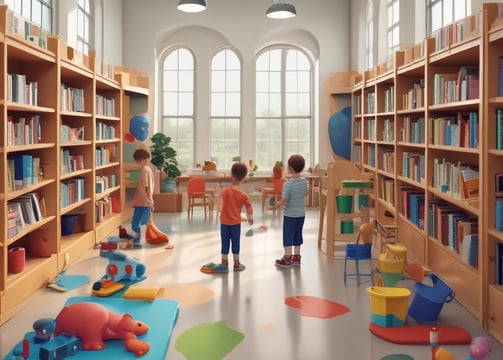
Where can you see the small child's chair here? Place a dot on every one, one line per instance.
(360, 251)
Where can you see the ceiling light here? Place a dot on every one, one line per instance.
(192, 6)
(281, 11)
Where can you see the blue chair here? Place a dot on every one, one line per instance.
(357, 252)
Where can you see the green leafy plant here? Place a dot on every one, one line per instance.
(164, 155)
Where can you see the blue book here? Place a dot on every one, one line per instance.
(415, 199)
(474, 250)
(23, 170)
(499, 215)
(499, 259)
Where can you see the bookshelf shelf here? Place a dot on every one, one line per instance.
(56, 120)
(461, 162)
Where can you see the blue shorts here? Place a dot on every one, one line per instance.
(292, 231)
(230, 235)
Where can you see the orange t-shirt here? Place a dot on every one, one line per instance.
(233, 199)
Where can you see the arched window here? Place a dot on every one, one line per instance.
(284, 119)
(177, 119)
(393, 28)
(369, 35)
(444, 12)
(38, 11)
(83, 25)
(225, 110)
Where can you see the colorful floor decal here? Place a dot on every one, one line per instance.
(208, 341)
(188, 294)
(398, 357)
(316, 307)
(420, 334)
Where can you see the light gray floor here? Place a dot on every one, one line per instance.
(252, 301)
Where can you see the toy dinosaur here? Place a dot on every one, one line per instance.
(74, 320)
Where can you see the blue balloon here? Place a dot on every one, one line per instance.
(139, 125)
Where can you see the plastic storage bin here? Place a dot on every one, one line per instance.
(67, 224)
(428, 300)
(388, 306)
(344, 204)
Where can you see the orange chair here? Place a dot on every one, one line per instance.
(273, 192)
(197, 196)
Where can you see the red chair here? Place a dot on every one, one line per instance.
(197, 196)
(273, 192)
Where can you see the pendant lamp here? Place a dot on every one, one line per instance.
(281, 10)
(192, 6)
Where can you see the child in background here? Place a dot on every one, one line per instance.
(143, 201)
(292, 198)
(230, 201)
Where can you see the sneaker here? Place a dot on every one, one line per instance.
(284, 262)
(239, 267)
(295, 260)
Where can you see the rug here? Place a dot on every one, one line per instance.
(312, 306)
(208, 341)
(160, 315)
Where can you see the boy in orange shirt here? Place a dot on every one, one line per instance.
(230, 201)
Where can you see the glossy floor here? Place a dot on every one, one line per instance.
(252, 301)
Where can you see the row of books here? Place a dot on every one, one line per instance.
(104, 182)
(414, 98)
(71, 99)
(25, 210)
(69, 134)
(459, 180)
(456, 32)
(105, 106)
(388, 191)
(389, 99)
(20, 91)
(499, 129)
(71, 162)
(461, 130)
(357, 130)
(371, 97)
(24, 130)
(388, 132)
(413, 130)
(25, 29)
(371, 129)
(104, 131)
(106, 207)
(72, 191)
(388, 161)
(371, 152)
(458, 86)
(455, 230)
(105, 154)
(22, 171)
(413, 202)
(413, 166)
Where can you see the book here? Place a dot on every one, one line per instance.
(499, 264)
(498, 181)
(500, 75)
(469, 181)
(23, 170)
(499, 129)
(16, 206)
(499, 215)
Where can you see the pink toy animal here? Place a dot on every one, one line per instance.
(93, 323)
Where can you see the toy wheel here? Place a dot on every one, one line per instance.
(97, 285)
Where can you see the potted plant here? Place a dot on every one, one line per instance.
(277, 170)
(164, 159)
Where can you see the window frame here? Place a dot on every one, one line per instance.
(283, 116)
(25, 8)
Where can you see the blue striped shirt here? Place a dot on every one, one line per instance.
(295, 190)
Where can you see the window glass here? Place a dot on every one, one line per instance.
(283, 106)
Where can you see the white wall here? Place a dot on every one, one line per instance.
(322, 25)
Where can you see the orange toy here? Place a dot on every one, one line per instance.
(416, 271)
(153, 235)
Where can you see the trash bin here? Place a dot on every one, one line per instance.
(388, 306)
(67, 224)
(429, 299)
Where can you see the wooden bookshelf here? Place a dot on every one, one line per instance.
(437, 129)
(70, 127)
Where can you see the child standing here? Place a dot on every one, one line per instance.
(230, 202)
(143, 200)
(292, 198)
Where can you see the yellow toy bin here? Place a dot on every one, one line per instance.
(388, 305)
